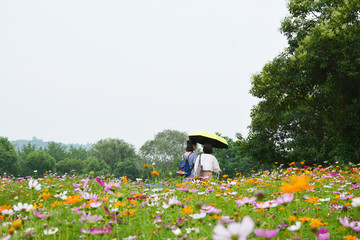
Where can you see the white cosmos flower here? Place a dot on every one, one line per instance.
(198, 215)
(34, 184)
(295, 227)
(51, 231)
(356, 202)
(177, 231)
(238, 231)
(7, 212)
(25, 207)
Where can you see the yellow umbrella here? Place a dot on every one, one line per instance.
(205, 137)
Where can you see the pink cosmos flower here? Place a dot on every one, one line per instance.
(266, 233)
(90, 218)
(284, 199)
(39, 215)
(111, 185)
(96, 230)
(101, 182)
(246, 200)
(209, 209)
(184, 189)
(322, 234)
(345, 222)
(238, 231)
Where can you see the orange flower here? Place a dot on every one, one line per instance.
(146, 165)
(124, 178)
(313, 200)
(73, 199)
(45, 195)
(187, 210)
(154, 172)
(119, 204)
(316, 223)
(297, 184)
(349, 237)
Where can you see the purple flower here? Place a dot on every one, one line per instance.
(209, 209)
(90, 218)
(322, 234)
(96, 230)
(39, 215)
(266, 233)
(101, 182)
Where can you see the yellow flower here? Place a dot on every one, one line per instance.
(316, 223)
(225, 176)
(17, 224)
(45, 195)
(119, 204)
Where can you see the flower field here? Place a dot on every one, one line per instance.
(294, 203)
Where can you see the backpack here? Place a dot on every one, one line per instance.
(184, 166)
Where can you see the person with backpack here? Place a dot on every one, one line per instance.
(186, 166)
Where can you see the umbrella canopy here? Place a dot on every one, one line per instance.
(205, 137)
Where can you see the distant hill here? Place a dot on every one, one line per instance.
(41, 144)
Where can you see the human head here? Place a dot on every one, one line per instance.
(190, 145)
(207, 148)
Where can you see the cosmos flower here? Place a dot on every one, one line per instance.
(284, 199)
(266, 233)
(39, 215)
(97, 230)
(238, 231)
(356, 202)
(198, 215)
(297, 184)
(322, 234)
(89, 218)
(246, 200)
(295, 227)
(51, 231)
(20, 207)
(209, 209)
(34, 184)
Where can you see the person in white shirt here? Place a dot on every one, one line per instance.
(208, 161)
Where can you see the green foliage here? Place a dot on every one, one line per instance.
(128, 168)
(78, 153)
(165, 149)
(99, 168)
(25, 150)
(68, 164)
(310, 108)
(56, 150)
(233, 161)
(8, 157)
(112, 151)
(40, 162)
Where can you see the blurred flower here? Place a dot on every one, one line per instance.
(356, 202)
(51, 231)
(154, 172)
(322, 234)
(246, 200)
(266, 233)
(238, 231)
(20, 207)
(284, 199)
(198, 215)
(89, 218)
(297, 184)
(295, 227)
(96, 230)
(34, 184)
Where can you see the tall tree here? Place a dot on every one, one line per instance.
(310, 93)
(113, 151)
(56, 150)
(8, 157)
(165, 149)
(37, 163)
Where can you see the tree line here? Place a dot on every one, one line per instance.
(115, 157)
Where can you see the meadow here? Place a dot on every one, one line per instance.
(298, 202)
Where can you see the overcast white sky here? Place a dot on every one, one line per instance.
(77, 71)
